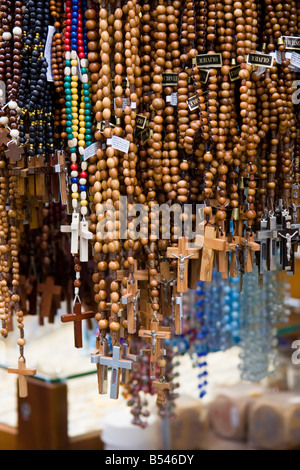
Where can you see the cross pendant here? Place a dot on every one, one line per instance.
(131, 300)
(116, 363)
(155, 335)
(74, 230)
(48, 291)
(267, 238)
(183, 254)
(23, 372)
(77, 317)
(289, 238)
(162, 387)
(210, 245)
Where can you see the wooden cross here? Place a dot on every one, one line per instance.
(74, 230)
(183, 254)
(223, 255)
(117, 364)
(49, 290)
(61, 170)
(161, 388)
(289, 236)
(166, 278)
(131, 300)
(84, 235)
(17, 170)
(250, 247)
(102, 371)
(77, 317)
(210, 244)
(35, 174)
(154, 334)
(14, 152)
(23, 373)
(267, 237)
(136, 274)
(127, 356)
(54, 177)
(236, 245)
(4, 136)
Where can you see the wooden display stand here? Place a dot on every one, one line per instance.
(43, 422)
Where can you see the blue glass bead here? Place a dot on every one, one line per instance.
(82, 187)
(74, 180)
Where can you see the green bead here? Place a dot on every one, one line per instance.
(68, 104)
(86, 86)
(69, 130)
(68, 63)
(72, 149)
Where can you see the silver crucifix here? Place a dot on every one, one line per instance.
(182, 259)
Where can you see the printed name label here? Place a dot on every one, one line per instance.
(260, 60)
(209, 60)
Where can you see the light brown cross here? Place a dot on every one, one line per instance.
(77, 317)
(161, 388)
(22, 372)
(183, 254)
(210, 245)
(48, 291)
(137, 274)
(4, 136)
(155, 335)
(250, 247)
(131, 299)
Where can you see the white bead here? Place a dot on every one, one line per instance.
(6, 36)
(73, 70)
(74, 203)
(67, 71)
(12, 104)
(73, 55)
(83, 210)
(17, 31)
(82, 181)
(74, 174)
(68, 55)
(14, 133)
(84, 63)
(74, 188)
(71, 143)
(4, 120)
(85, 78)
(81, 150)
(83, 195)
(84, 165)
(76, 290)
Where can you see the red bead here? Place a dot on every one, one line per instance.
(67, 48)
(74, 166)
(81, 55)
(83, 174)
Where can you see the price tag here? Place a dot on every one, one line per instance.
(90, 151)
(120, 144)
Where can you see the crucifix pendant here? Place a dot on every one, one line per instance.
(74, 230)
(183, 254)
(116, 363)
(131, 301)
(23, 373)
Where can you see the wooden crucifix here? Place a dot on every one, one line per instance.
(117, 364)
(223, 255)
(131, 300)
(22, 372)
(166, 278)
(102, 370)
(61, 170)
(48, 291)
(210, 244)
(73, 229)
(54, 177)
(161, 387)
(77, 317)
(135, 273)
(155, 335)
(17, 169)
(250, 247)
(183, 254)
